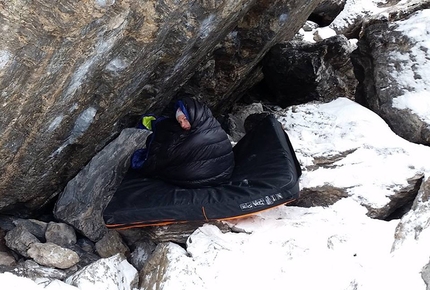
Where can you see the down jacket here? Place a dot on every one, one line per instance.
(201, 156)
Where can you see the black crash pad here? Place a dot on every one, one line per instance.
(266, 175)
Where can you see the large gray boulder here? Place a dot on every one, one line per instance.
(388, 59)
(73, 74)
(85, 197)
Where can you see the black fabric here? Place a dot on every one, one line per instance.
(199, 157)
(266, 175)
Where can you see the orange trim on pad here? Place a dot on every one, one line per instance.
(169, 222)
(204, 213)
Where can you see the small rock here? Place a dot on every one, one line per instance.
(30, 269)
(20, 240)
(86, 245)
(111, 244)
(142, 251)
(35, 227)
(60, 233)
(52, 255)
(108, 273)
(7, 259)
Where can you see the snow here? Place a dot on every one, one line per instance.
(417, 81)
(418, 102)
(381, 160)
(106, 274)
(335, 247)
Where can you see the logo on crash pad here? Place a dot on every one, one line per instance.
(267, 200)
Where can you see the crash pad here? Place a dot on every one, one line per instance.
(266, 175)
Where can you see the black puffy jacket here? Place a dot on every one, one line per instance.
(199, 157)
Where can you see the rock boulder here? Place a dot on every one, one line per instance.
(73, 74)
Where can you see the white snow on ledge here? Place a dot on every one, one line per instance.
(380, 161)
(415, 72)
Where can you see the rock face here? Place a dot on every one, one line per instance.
(72, 74)
(297, 73)
(327, 11)
(153, 273)
(416, 220)
(234, 65)
(20, 240)
(85, 197)
(382, 64)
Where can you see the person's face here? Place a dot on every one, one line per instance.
(183, 122)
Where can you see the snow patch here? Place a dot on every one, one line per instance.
(332, 129)
(414, 74)
(325, 32)
(108, 274)
(418, 102)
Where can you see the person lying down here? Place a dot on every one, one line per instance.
(190, 149)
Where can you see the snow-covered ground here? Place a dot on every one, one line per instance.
(336, 247)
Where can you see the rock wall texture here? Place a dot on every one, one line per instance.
(297, 73)
(387, 60)
(73, 73)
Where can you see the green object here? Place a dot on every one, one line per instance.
(147, 122)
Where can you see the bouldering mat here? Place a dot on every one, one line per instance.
(266, 175)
